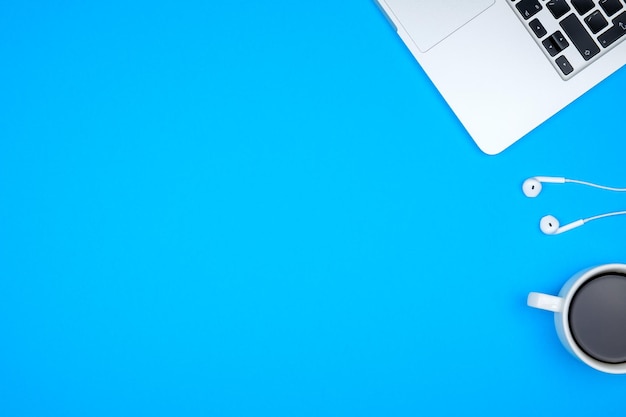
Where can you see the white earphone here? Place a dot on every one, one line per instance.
(532, 186)
(549, 224)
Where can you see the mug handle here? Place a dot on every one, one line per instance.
(545, 302)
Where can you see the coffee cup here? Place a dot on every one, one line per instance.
(590, 316)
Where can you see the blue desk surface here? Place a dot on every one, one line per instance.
(266, 209)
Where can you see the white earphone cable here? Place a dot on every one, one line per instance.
(601, 216)
(602, 187)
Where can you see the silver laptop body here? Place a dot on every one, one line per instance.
(506, 66)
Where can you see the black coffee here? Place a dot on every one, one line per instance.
(597, 318)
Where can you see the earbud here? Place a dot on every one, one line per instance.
(551, 226)
(532, 186)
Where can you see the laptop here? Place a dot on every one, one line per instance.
(506, 66)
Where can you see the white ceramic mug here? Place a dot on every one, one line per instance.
(561, 304)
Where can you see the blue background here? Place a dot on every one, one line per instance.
(255, 208)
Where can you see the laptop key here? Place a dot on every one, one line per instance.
(564, 65)
(583, 6)
(559, 41)
(555, 43)
(611, 7)
(550, 46)
(580, 37)
(596, 22)
(615, 33)
(558, 8)
(528, 8)
(538, 28)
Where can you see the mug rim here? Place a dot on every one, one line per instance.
(570, 289)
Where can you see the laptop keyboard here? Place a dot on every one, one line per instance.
(573, 33)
